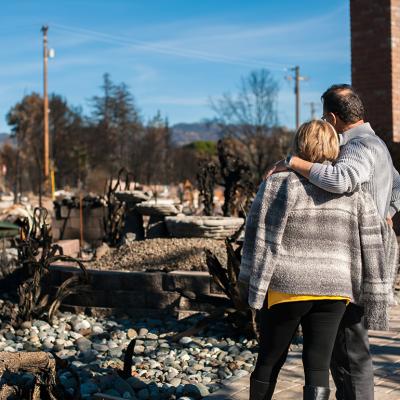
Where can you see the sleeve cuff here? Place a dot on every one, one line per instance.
(376, 316)
(392, 211)
(256, 299)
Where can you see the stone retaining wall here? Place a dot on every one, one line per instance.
(141, 293)
(203, 226)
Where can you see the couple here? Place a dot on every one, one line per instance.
(319, 251)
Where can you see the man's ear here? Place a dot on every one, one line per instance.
(331, 118)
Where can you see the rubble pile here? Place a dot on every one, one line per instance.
(186, 254)
(66, 222)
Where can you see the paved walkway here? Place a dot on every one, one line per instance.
(385, 347)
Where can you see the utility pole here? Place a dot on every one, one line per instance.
(297, 93)
(313, 109)
(48, 165)
(46, 146)
(297, 78)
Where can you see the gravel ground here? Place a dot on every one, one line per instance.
(162, 254)
(188, 369)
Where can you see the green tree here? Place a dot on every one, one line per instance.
(127, 121)
(116, 126)
(66, 141)
(26, 121)
(152, 159)
(204, 148)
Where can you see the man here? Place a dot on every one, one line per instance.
(364, 162)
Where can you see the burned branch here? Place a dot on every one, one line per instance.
(36, 254)
(237, 311)
(114, 221)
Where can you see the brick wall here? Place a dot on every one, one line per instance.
(375, 59)
(138, 293)
(395, 40)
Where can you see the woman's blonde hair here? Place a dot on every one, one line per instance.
(316, 141)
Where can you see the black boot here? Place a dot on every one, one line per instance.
(315, 393)
(261, 390)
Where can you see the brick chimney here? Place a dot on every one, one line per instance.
(375, 62)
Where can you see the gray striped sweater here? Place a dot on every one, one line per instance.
(364, 161)
(301, 239)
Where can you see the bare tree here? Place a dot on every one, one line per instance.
(251, 117)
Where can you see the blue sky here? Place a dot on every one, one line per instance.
(175, 55)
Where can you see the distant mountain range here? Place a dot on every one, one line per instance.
(185, 133)
(4, 137)
(182, 133)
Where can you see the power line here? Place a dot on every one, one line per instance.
(170, 50)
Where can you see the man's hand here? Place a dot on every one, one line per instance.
(297, 164)
(389, 221)
(278, 167)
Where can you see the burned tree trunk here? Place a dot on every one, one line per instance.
(236, 179)
(206, 180)
(40, 364)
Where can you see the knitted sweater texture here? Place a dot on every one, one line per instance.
(301, 239)
(364, 162)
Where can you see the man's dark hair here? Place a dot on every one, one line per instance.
(343, 101)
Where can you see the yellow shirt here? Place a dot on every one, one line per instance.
(279, 297)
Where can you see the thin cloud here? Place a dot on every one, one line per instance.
(241, 45)
(59, 40)
(228, 32)
(163, 49)
(23, 68)
(147, 56)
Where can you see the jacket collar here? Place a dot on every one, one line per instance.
(358, 131)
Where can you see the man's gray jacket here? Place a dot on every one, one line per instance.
(364, 161)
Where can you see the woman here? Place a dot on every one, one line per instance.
(314, 252)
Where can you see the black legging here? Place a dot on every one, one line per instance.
(319, 320)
